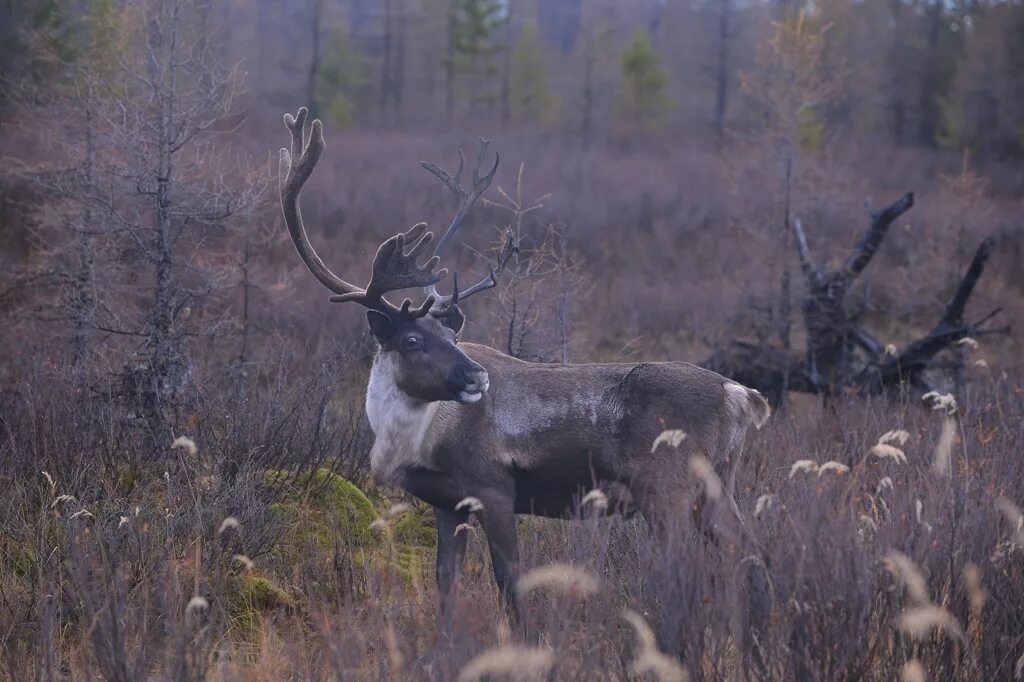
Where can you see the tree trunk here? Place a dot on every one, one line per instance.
(588, 98)
(449, 72)
(385, 68)
(930, 83)
(722, 75)
(84, 301)
(506, 75)
(398, 72)
(314, 60)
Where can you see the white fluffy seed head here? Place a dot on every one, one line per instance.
(245, 561)
(943, 456)
(564, 578)
(1012, 514)
(833, 466)
(901, 566)
(398, 509)
(919, 515)
(969, 342)
(921, 620)
(671, 437)
(897, 436)
(912, 671)
(470, 504)
(975, 591)
(197, 605)
(886, 451)
(185, 443)
(463, 528)
(807, 465)
(1011, 511)
(650, 659)
(509, 662)
(763, 504)
(943, 402)
(702, 469)
(595, 499)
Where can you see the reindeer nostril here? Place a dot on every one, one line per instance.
(475, 377)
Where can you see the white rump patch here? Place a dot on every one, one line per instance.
(746, 402)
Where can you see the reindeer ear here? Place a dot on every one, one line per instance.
(380, 324)
(453, 319)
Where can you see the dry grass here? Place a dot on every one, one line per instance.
(886, 570)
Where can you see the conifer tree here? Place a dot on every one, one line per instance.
(531, 90)
(473, 49)
(643, 99)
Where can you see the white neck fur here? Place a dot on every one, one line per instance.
(400, 423)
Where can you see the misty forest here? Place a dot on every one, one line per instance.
(709, 367)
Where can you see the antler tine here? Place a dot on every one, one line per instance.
(452, 182)
(455, 289)
(296, 125)
(508, 248)
(464, 198)
(295, 168)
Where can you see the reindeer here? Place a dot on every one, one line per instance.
(461, 420)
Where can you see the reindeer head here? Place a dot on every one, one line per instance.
(419, 342)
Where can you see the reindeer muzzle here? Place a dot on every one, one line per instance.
(476, 384)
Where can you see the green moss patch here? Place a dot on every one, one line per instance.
(251, 597)
(323, 505)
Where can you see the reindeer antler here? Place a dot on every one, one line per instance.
(393, 267)
(464, 200)
(508, 247)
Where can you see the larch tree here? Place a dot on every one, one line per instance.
(340, 78)
(152, 197)
(791, 85)
(643, 98)
(533, 101)
(474, 46)
(986, 110)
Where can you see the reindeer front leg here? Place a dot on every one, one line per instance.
(451, 547)
(499, 522)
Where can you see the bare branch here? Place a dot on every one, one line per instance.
(880, 223)
(806, 262)
(954, 312)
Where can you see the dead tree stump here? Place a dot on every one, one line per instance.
(841, 355)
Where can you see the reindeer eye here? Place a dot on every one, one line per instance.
(411, 343)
